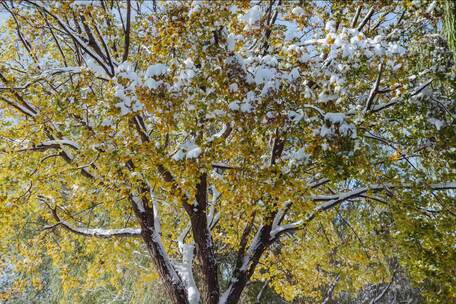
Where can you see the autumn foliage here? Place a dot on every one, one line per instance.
(305, 145)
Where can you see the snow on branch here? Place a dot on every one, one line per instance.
(75, 36)
(444, 186)
(19, 107)
(90, 232)
(394, 101)
(335, 199)
(56, 144)
(338, 198)
(185, 268)
(252, 250)
(283, 228)
(102, 233)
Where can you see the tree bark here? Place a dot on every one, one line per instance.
(204, 247)
(174, 285)
(242, 275)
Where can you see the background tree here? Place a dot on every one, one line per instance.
(309, 146)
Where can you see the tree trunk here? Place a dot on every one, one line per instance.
(204, 247)
(243, 274)
(173, 283)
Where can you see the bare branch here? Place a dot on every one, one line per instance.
(127, 32)
(366, 19)
(374, 90)
(355, 18)
(19, 107)
(75, 37)
(380, 296)
(260, 294)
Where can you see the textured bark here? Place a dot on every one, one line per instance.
(174, 286)
(204, 247)
(242, 276)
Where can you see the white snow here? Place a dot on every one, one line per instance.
(233, 87)
(20, 107)
(330, 26)
(396, 49)
(431, 7)
(231, 40)
(185, 268)
(263, 74)
(252, 249)
(98, 232)
(156, 70)
(194, 8)
(293, 75)
(186, 273)
(335, 117)
(300, 155)
(108, 232)
(63, 70)
(179, 155)
(252, 16)
(282, 228)
(436, 122)
(65, 142)
(194, 153)
(107, 122)
(234, 106)
(139, 203)
(296, 116)
(157, 223)
(188, 150)
(233, 8)
(298, 11)
(324, 97)
(246, 107)
(270, 60)
(84, 3)
(189, 64)
(152, 84)
(218, 134)
(348, 130)
(325, 131)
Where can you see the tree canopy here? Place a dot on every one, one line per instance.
(306, 145)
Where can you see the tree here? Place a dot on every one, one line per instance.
(310, 145)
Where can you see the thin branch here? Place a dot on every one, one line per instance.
(380, 296)
(260, 294)
(127, 32)
(355, 18)
(243, 241)
(366, 19)
(374, 90)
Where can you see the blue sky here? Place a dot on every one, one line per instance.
(3, 17)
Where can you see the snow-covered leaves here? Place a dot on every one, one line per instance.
(269, 100)
(188, 150)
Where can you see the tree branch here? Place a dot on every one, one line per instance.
(127, 32)
(90, 232)
(173, 283)
(204, 244)
(334, 200)
(366, 19)
(374, 90)
(355, 18)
